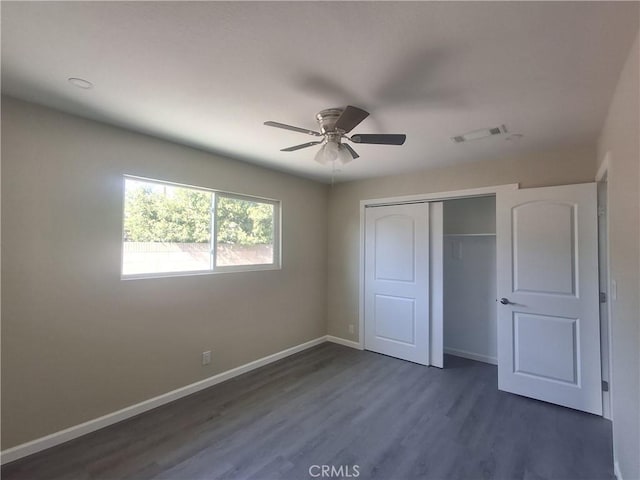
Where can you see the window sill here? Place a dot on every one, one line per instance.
(195, 273)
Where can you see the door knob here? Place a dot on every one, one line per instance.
(504, 301)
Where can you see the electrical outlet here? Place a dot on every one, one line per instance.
(351, 329)
(206, 357)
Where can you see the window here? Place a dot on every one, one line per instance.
(173, 229)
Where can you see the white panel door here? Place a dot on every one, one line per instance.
(548, 323)
(396, 309)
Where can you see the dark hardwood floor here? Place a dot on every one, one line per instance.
(332, 405)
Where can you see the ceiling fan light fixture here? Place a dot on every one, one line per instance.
(332, 152)
(344, 156)
(328, 153)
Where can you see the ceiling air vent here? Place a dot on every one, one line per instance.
(477, 134)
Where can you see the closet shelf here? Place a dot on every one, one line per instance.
(469, 234)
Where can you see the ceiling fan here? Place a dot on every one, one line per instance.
(335, 123)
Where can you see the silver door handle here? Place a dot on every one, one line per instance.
(505, 301)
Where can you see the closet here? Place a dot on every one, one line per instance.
(433, 267)
(469, 278)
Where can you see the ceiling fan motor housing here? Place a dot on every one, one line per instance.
(327, 120)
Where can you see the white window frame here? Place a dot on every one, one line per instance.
(213, 242)
(276, 235)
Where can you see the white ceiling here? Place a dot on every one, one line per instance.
(208, 74)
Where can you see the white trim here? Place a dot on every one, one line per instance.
(171, 183)
(604, 174)
(469, 235)
(471, 356)
(192, 273)
(439, 196)
(604, 168)
(616, 470)
(76, 431)
(361, 279)
(343, 341)
(421, 197)
(436, 277)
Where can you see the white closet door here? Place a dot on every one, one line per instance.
(396, 309)
(548, 324)
(436, 281)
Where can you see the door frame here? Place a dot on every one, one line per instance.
(418, 198)
(606, 347)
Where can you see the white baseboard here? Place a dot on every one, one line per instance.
(39, 444)
(616, 470)
(471, 356)
(343, 341)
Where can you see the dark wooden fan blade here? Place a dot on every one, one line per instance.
(383, 139)
(350, 118)
(292, 128)
(298, 147)
(353, 153)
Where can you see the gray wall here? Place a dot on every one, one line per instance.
(620, 138)
(575, 165)
(77, 341)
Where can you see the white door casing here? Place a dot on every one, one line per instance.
(396, 306)
(603, 272)
(436, 282)
(547, 269)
